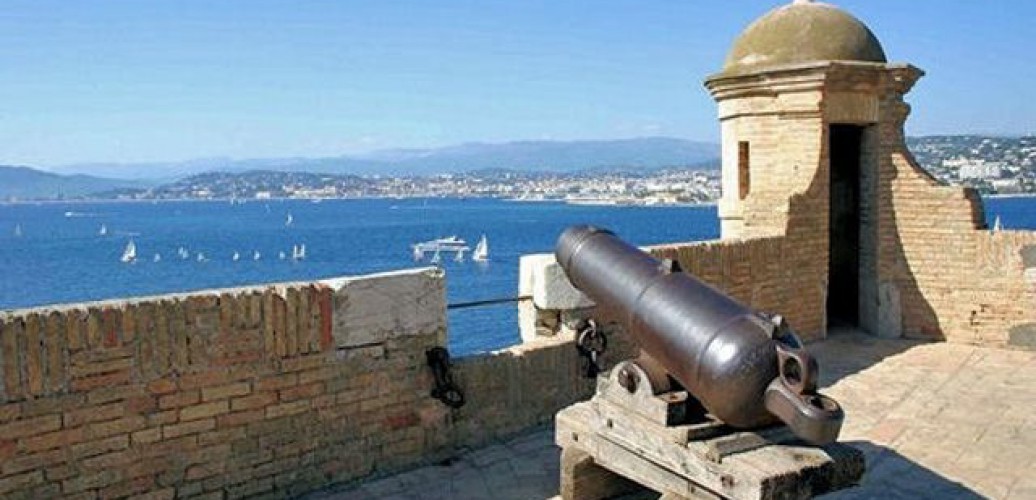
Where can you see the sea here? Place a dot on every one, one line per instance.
(57, 253)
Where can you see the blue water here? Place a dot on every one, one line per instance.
(62, 259)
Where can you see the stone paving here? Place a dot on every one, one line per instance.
(934, 421)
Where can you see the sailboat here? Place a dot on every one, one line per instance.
(460, 255)
(256, 255)
(103, 231)
(281, 255)
(201, 257)
(236, 257)
(129, 255)
(298, 252)
(481, 253)
(289, 220)
(997, 227)
(418, 253)
(158, 257)
(17, 230)
(436, 258)
(183, 253)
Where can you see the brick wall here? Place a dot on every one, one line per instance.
(761, 273)
(273, 390)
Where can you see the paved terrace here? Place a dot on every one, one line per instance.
(934, 421)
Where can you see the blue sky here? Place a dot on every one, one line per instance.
(143, 80)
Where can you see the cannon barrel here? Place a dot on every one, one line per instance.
(747, 369)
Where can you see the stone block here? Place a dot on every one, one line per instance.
(549, 286)
(372, 309)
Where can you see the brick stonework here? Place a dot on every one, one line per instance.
(252, 391)
(929, 268)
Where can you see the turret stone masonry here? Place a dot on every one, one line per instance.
(281, 389)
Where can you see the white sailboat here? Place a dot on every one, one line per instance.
(183, 253)
(298, 252)
(418, 253)
(201, 257)
(103, 231)
(281, 256)
(17, 230)
(236, 257)
(158, 257)
(436, 258)
(481, 253)
(129, 254)
(459, 257)
(289, 220)
(997, 227)
(256, 255)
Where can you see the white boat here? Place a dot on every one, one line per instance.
(129, 255)
(103, 231)
(436, 258)
(481, 253)
(447, 244)
(997, 227)
(256, 255)
(418, 253)
(298, 252)
(281, 256)
(236, 257)
(17, 230)
(201, 257)
(289, 220)
(460, 255)
(183, 253)
(158, 257)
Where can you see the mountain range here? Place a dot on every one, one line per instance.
(549, 156)
(27, 183)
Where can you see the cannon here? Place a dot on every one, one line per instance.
(747, 369)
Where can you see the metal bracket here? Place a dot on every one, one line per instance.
(591, 343)
(445, 389)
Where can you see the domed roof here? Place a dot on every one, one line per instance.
(803, 31)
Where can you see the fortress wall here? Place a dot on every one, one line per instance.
(223, 393)
(276, 390)
(764, 273)
(953, 278)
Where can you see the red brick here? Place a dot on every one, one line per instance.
(402, 420)
(111, 460)
(106, 380)
(10, 411)
(53, 440)
(79, 370)
(147, 436)
(301, 391)
(98, 447)
(120, 426)
(179, 399)
(8, 448)
(277, 382)
(240, 418)
(30, 427)
(22, 463)
(257, 400)
(318, 375)
(108, 394)
(96, 413)
(193, 427)
(285, 409)
(204, 379)
(204, 410)
(33, 356)
(226, 391)
(162, 386)
(163, 494)
(141, 404)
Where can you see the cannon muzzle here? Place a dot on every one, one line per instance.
(746, 368)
